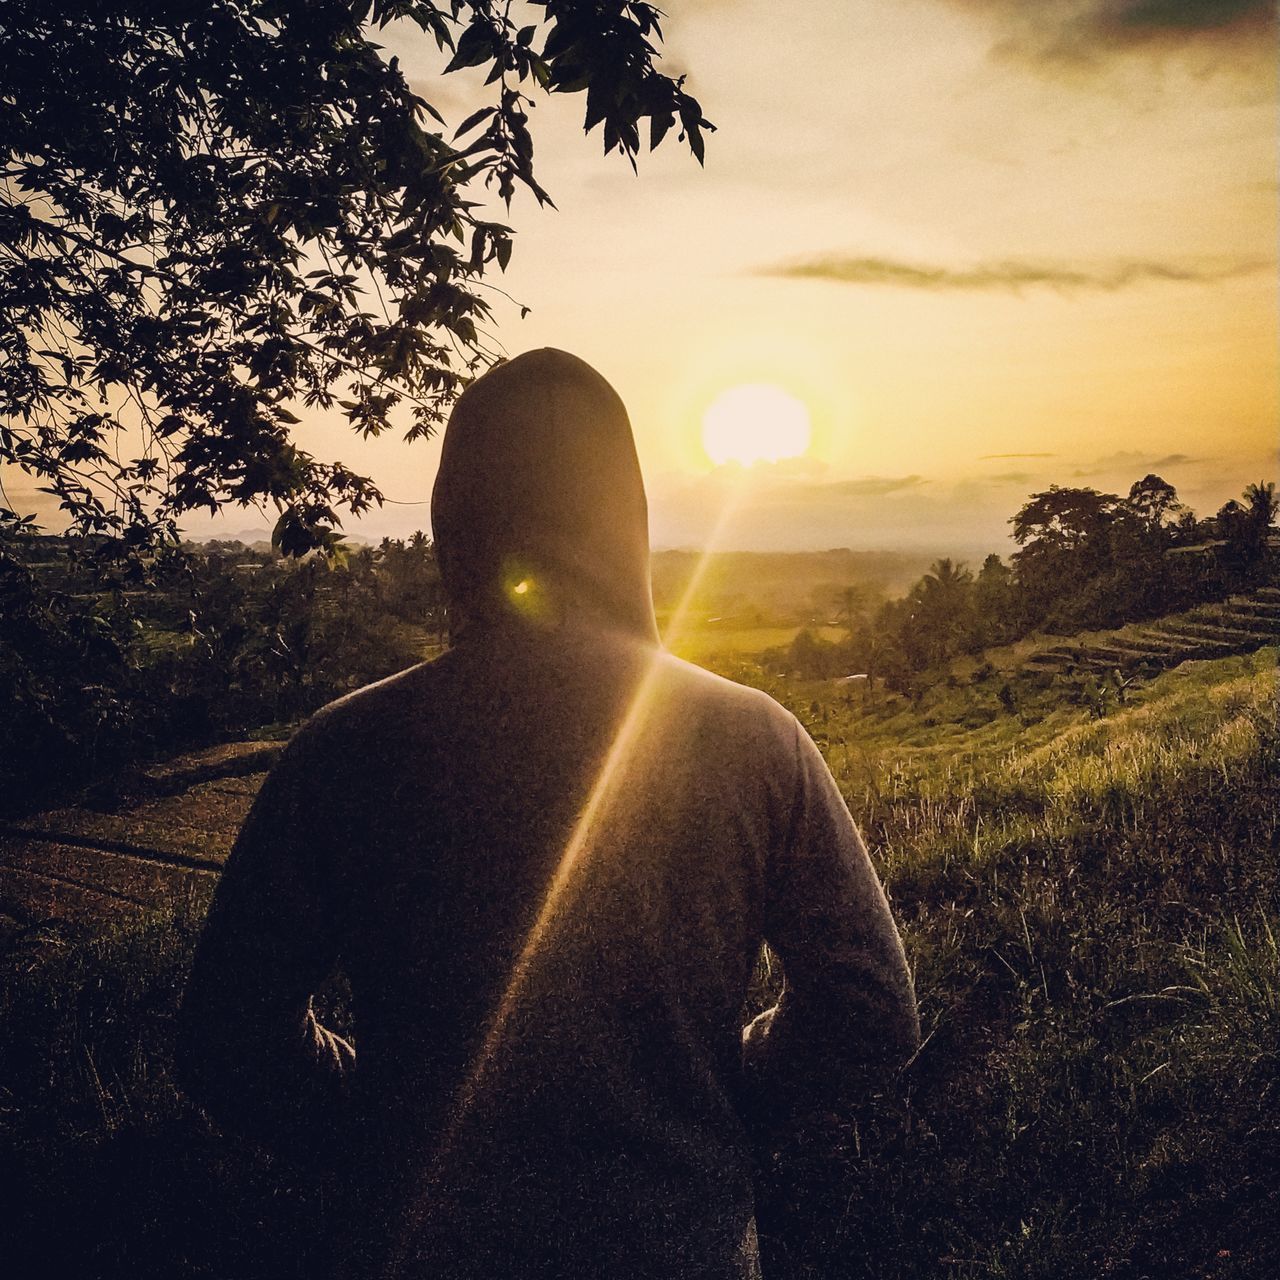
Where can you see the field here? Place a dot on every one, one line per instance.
(1091, 907)
(1089, 895)
(729, 647)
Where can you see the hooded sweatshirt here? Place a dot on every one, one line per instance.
(546, 863)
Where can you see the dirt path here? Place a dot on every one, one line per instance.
(86, 867)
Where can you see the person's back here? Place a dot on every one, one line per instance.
(546, 861)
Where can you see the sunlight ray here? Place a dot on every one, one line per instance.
(604, 790)
(678, 618)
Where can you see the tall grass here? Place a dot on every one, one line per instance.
(1091, 907)
(105, 1169)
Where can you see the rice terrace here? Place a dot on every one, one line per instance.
(1079, 832)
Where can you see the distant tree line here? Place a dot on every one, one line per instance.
(203, 647)
(1085, 560)
(198, 646)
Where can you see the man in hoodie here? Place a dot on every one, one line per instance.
(546, 863)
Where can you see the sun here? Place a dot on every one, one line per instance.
(755, 422)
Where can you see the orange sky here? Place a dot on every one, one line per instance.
(990, 245)
(911, 133)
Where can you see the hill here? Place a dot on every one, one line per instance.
(782, 588)
(1091, 903)
(1238, 624)
(1090, 900)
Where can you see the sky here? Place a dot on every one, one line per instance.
(989, 244)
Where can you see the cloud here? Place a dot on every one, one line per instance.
(872, 486)
(1089, 31)
(1007, 277)
(987, 457)
(1128, 461)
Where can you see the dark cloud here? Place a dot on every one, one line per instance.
(872, 486)
(1084, 31)
(1007, 277)
(1133, 461)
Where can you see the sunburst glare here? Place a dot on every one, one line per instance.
(755, 422)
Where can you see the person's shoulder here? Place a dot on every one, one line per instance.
(372, 710)
(728, 702)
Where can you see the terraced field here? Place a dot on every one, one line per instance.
(76, 866)
(1238, 625)
(81, 866)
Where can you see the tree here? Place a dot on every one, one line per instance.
(1063, 540)
(996, 601)
(1232, 522)
(1155, 502)
(216, 215)
(942, 614)
(1246, 525)
(1062, 519)
(1187, 529)
(1262, 507)
(851, 606)
(411, 579)
(1143, 527)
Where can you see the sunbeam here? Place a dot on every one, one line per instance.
(603, 792)
(679, 615)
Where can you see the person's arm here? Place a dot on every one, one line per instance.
(846, 1021)
(249, 1048)
(820, 1066)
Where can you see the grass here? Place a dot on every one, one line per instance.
(1091, 906)
(105, 1169)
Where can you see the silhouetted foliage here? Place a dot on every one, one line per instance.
(215, 216)
(997, 601)
(1085, 560)
(94, 680)
(64, 681)
(1063, 542)
(1153, 500)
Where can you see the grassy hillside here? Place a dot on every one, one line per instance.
(1091, 905)
(1090, 901)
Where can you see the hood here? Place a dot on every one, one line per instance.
(539, 507)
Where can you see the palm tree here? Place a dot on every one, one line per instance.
(946, 575)
(1262, 504)
(944, 600)
(852, 607)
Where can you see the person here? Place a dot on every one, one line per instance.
(546, 862)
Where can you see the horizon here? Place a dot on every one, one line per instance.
(911, 514)
(914, 520)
